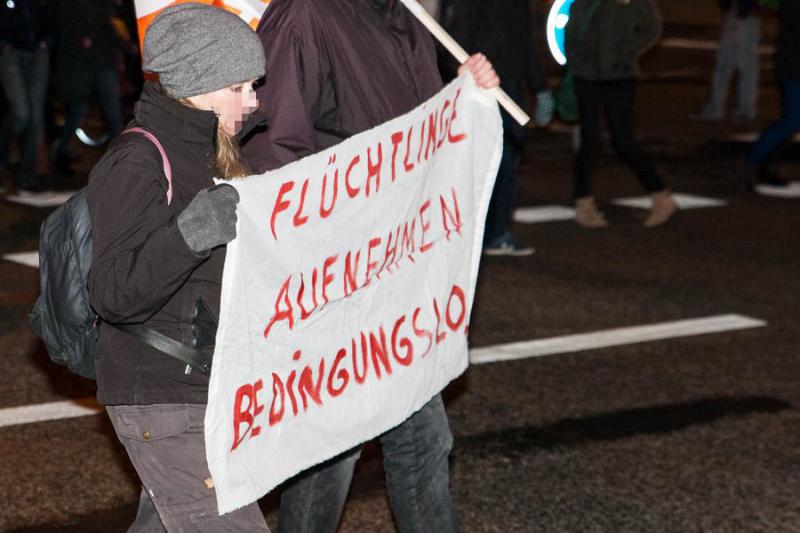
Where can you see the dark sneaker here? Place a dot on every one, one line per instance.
(508, 246)
(771, 179)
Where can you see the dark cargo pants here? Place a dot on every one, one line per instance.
(166, 446)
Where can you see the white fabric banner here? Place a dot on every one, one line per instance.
(347, 293)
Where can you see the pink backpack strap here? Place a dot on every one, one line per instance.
(164, 158)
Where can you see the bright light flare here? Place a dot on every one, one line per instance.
(556, 23)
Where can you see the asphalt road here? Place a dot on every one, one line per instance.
(697, 433)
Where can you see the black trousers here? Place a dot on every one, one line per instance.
(616, 98)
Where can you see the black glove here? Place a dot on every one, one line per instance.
(210, 219)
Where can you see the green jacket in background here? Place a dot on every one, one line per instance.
(616, 35)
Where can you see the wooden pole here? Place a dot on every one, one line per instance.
(461, 55)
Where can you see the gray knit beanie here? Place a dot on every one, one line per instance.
(197, 48)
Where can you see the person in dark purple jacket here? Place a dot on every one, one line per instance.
(336, 68)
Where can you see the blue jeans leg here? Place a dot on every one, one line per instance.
(416, 459)
(313, 501)
(724, 65)
(748, 65)
(781, 131)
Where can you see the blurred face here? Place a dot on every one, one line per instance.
(232, 104)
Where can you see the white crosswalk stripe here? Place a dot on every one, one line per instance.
(612, 337)
(41, 199)
(792, 190)
(543, 213)
(30, 259)
(554, 213)
(43, 412)
(29, 414)
(684, 201)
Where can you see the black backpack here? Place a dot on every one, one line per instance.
(62, 315)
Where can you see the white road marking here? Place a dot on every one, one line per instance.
(703, 44)
(543, 213)
(41, 199)
(551, 213)
(792, 190)
(30, 259)
(28, 414)
(752, 136)
(43, 412)
(684, 201)
(611, 337)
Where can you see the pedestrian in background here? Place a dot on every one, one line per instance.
(87, 60)
(737, 53)
(504, 31)
(26, 35)
(603, 59)
(762, 157)
(158, 253)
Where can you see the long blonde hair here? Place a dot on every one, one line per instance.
(230, 162)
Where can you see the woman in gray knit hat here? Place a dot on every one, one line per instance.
(159, 228)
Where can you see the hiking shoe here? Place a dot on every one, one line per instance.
(663, 208)
(507, 246)
(587, 214)
(771, 179)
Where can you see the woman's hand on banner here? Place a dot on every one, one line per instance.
(482, 70)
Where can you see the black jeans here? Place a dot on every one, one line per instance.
(616, 98)
(504, 194)
(23, 81)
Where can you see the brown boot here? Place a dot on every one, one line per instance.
(663, 208)
(587, 214)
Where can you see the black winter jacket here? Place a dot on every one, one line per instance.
(504, 32)
(25, 24)
(143, 271)
(616, 35)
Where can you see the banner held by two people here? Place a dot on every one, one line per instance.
(347, 294)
